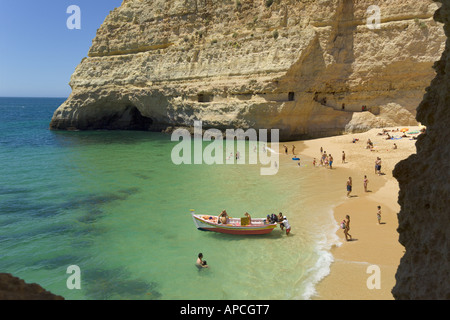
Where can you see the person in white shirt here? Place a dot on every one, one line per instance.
(287, 226)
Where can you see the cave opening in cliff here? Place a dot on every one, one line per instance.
(291, 96)
(129, 118)
(137, 120)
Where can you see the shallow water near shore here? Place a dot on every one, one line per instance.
(114, 204)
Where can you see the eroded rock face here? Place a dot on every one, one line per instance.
(290, 65)
(424, 219)
(12, 288)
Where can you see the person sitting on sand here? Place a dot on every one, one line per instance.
(200, 263)
(223, 217)
(395, 146)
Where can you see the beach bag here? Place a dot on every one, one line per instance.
(342, 225)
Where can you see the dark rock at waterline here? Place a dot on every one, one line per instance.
(13, 288)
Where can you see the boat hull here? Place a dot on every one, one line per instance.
(257, 226)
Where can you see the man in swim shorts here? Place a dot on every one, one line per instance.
(286, 225)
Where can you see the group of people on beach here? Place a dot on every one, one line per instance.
(326, 160)
(345, 224)
(349, 185)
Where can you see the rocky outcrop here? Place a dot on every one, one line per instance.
(424, 219)
(12, 288)
(283, 64)
(390, 115)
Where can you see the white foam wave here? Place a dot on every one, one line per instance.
(325, 258)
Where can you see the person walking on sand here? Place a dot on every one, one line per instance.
(293, 150)
(347, 228)
(285, 149)
(343, 157)
(378, 166)
(366, 181)
(331, 161)
(379, 215)
(349, 186)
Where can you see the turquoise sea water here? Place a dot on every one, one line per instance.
(114, 204)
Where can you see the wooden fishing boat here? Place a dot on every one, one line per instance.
(233, 225)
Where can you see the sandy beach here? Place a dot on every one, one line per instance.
(373, 244)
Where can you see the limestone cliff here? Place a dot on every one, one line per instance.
(286, 64)
(424, 219)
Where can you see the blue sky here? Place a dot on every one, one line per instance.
(38, 53)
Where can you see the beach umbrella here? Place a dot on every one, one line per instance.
(404, 130)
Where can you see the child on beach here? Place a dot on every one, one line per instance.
(314, 162)
(331, 161)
